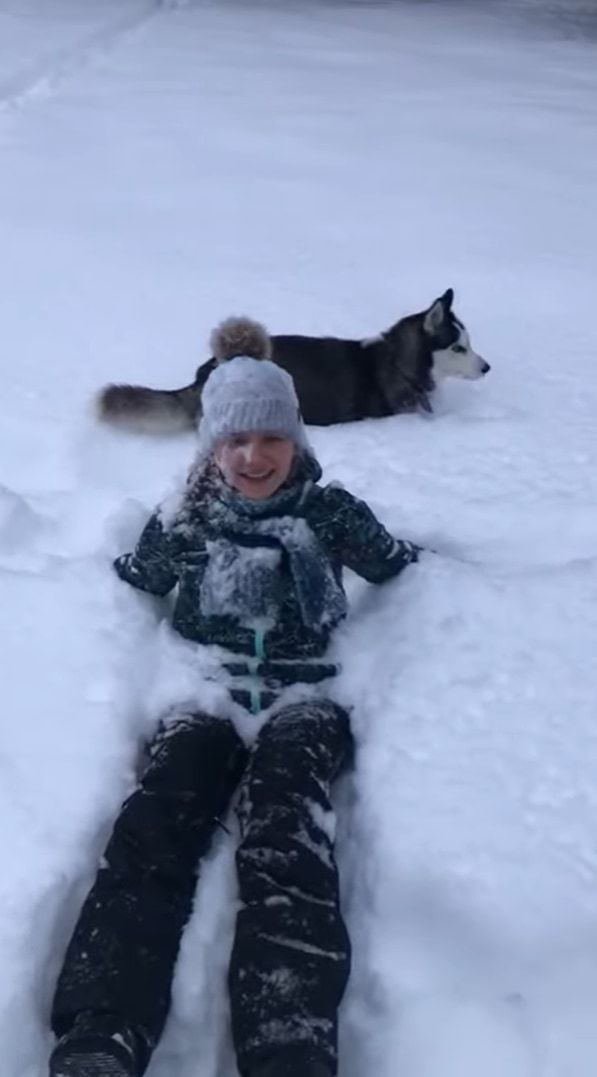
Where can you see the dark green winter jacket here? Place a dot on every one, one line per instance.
(172, 552)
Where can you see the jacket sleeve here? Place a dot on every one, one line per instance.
(150, 567)
(363, 542)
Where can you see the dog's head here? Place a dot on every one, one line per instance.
(453, 356)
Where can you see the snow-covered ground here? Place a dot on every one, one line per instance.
(326, 167)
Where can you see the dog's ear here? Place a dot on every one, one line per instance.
(435, 316)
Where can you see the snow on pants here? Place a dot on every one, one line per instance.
(291, 954)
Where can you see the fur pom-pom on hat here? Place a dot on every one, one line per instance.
(247, 392)
(240, 336)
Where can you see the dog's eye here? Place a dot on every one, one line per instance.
(458, 348)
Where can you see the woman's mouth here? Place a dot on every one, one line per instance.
(258, 476)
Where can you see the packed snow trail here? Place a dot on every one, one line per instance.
(326, 168)
(36, 52)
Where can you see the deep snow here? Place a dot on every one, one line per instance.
(326, 168)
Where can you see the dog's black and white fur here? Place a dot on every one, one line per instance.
(337, 381)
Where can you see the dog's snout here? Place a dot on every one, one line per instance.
(485, 367)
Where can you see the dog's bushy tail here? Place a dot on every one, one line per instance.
(240, 336)
(171, 411)
(150, 411)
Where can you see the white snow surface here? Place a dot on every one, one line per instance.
(326, 168)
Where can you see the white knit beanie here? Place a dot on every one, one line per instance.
(247, 392)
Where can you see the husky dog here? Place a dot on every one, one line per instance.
(337, 381)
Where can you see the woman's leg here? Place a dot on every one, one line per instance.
(291, 955)
(119, 964)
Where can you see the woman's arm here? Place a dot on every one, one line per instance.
(364, 543)
(150, 567)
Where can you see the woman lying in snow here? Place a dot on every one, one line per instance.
(256, 547)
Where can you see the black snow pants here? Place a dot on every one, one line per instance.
(291, 955)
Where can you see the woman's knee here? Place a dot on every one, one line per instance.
(196, 762)
(191, 748)
(305, 715)
(313, 734)
(309, 719)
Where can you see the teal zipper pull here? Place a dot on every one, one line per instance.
(259, 643)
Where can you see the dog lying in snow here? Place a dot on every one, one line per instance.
(337, 380)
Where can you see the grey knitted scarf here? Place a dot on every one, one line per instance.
(249, 541)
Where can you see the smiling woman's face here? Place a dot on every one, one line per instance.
(255, 464)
